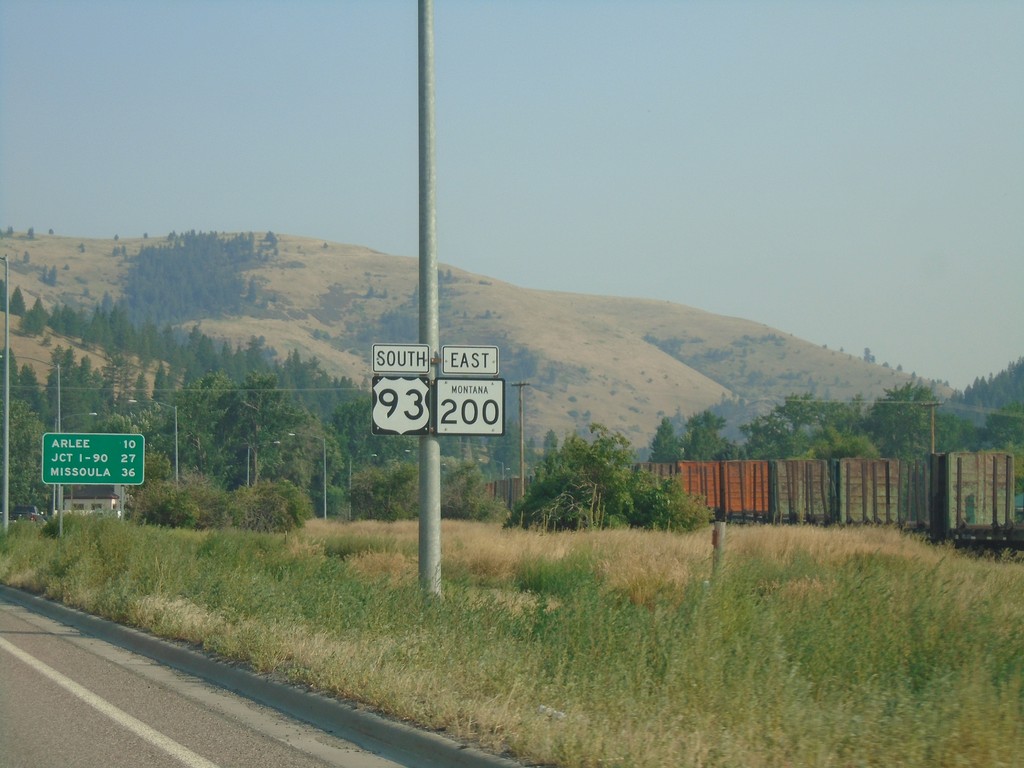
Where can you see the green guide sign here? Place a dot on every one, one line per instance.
(93, 459)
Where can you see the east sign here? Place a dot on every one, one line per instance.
(466, 360)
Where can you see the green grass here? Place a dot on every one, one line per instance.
(808, 647)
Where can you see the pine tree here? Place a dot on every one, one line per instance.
(34, 321)
(665, 445)
(17, 303)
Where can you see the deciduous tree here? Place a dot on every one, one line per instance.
(899, 424)
(590, 485)
(702, 439)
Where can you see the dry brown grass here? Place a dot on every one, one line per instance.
(830, 647)
(783, 543)
(638, 563)
(642, 565)
(176, 617)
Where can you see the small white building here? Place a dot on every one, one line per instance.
(94, 500)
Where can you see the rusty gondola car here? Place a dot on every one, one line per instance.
(972, 499)
(701, 478)
(800, 491)
(745, 491)
(963, 497)
(732, 490)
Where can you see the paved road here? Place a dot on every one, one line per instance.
(68, 699)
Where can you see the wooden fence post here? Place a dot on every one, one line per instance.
(718, 543)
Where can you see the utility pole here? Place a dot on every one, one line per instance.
(933, 406)
(522, 440)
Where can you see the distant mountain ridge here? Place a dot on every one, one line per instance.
(625, 363)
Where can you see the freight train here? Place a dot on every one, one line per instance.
(966, 498)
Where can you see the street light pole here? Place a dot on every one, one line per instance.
(58, 491)
(323, 439)
(252, 461)
(56, 420)
(60, 488)
(84, 413)
(175, 409)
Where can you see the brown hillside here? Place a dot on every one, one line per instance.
(625, 363)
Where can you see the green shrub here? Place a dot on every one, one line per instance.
(564, 577)
(464, 495)
(592, 485)
(213, 503)
(159, 502)
(348, 544)
(271, 507)
(198, 503)
(386, 493)
(194, 503)
(662, 504)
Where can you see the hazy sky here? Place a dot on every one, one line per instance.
(849, 172)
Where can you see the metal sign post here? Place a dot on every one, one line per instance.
(430, 449)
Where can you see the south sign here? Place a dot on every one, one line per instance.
(401, 358)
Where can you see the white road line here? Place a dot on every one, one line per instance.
(157, 739)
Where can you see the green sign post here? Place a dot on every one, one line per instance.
(93, 459)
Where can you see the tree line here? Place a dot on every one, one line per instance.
(590, 484)
(908, 422)
(224, 418)
(220, 435)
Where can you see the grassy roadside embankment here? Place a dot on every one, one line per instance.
(810, 647)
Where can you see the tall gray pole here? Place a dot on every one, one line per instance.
(7, 392)
(430, 448)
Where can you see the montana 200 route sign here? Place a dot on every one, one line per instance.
(93, 459)
(470, 406)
